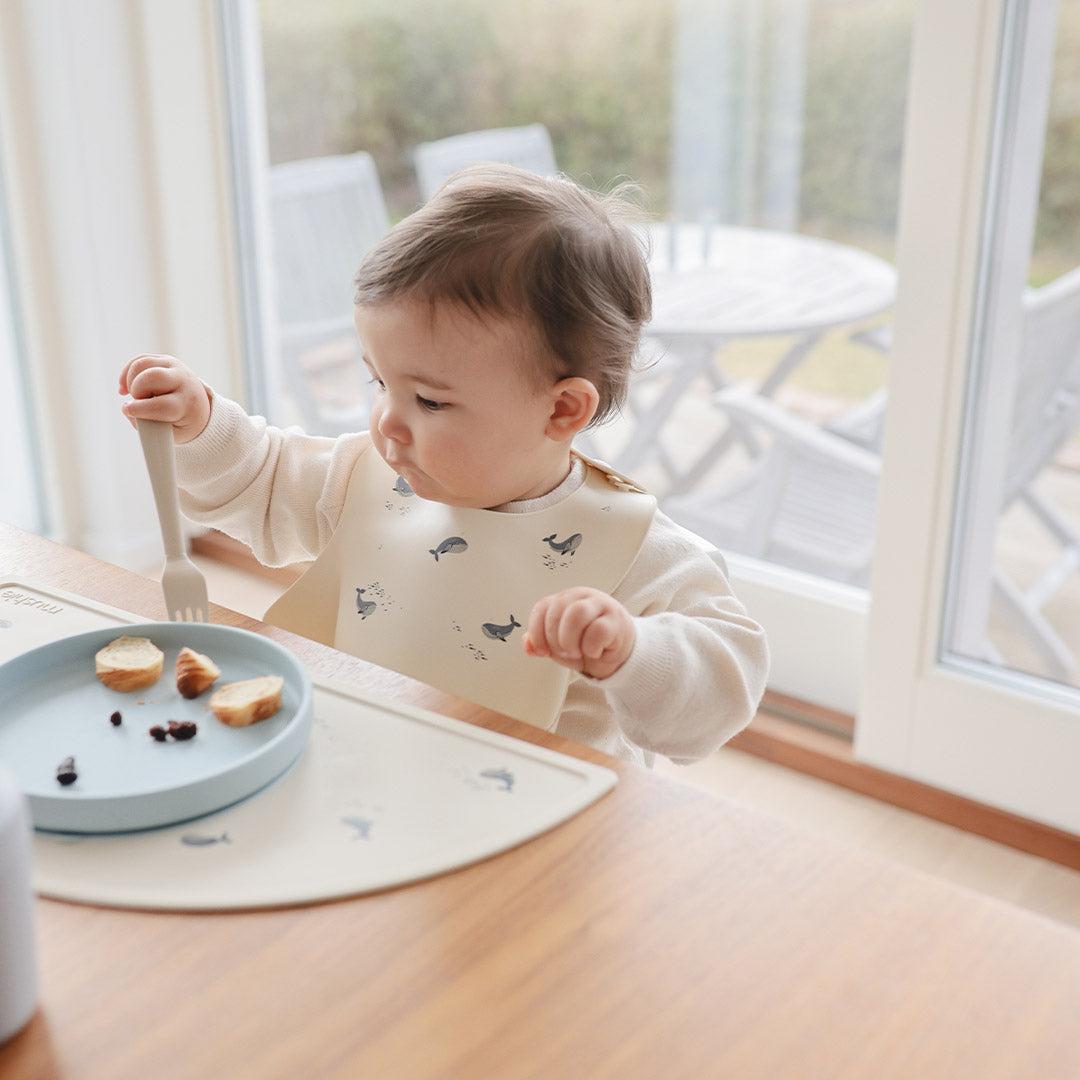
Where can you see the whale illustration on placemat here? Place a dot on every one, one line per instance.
(361, 825)
(502, 776)
(196, 840)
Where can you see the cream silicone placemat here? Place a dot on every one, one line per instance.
(383, 795)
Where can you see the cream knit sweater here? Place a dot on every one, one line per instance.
(699, 662)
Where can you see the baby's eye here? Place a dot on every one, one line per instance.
(376, 379)
(431, 406)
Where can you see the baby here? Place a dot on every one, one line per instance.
(462, 540)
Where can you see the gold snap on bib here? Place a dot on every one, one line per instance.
(443, 593)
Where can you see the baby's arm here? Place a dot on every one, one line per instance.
(698, 665)
(280, 492)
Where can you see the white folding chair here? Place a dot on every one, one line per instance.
(527, 147)
(326, 214)
(808, 501)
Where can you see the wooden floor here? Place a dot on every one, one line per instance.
(862, 822)
(842, 815)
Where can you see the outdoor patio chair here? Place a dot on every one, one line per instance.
(326, 214)
(808, 502)
(527, 147)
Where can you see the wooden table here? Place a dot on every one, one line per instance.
(661, 933)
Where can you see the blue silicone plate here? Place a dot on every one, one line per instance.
(53, 706)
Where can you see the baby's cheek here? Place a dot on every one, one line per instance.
(462, 458)
(373, 429)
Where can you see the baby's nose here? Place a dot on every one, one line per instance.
(391, 426)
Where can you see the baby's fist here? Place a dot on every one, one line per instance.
(581, 628)
(162, 388)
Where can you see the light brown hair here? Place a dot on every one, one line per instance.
(498, 239)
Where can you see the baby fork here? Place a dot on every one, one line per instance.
(184, 587)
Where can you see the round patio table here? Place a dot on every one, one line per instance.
(715, 284)
(725, 281)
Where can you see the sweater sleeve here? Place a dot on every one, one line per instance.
(278, 491)
(699, 663)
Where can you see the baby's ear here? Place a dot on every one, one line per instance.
(574, 404)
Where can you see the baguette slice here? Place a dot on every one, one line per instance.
(194, 672)
(241, 703)
(129, 663)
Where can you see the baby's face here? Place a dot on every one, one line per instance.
(457, 412)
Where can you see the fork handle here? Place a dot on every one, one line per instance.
(157, 444)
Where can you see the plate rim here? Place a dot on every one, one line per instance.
(302, 717)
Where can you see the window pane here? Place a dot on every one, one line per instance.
(1014, 595)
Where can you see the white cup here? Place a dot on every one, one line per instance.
(18, 970)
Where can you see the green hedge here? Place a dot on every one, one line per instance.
(383, 75)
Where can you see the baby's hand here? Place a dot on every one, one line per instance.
(165, 389)
(581, 628)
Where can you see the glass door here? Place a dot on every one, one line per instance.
(972, 681)
(766, 137)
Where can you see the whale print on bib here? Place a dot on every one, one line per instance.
(564, 547)
(500, 633)
(364, 607)
(452, 545)
(563, 550)
(374, 596)
(400, 502)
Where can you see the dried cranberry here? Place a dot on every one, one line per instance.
(115, 719)
(158, 732)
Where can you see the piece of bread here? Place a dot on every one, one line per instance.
(129, 663)
(241, 703)
(194, 672)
